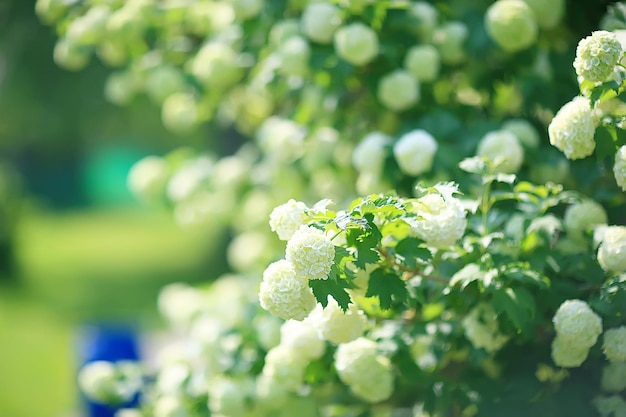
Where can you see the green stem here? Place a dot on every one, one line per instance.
(485, 205)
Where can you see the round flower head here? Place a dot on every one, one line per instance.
(281, 139)
(503, 148)
(511, 24)
(302, 338)
(107, 382)
(287, 218)
(426, 16)
(319, 21)
(548, 13)
(311, 252)
(440, 222)
(612, 250)
(335, 325)
(415, 151)
(283, 30)
(609, 405)
(572, 129)
(285, 367)
(577, 324)
(582, 216)
(567, 354)
(369, 155)
(169, 406)
(147, 178)
(285, 294)
(216, 65)
(423, 62)
(614, 377)
(294, 56)
(481, 328)
(524, 131)
(619, 169)
(450, 39)
(614, 344)
(398, 90)
(227, 396)
(179, 113)
(597, 55)
(356, 43)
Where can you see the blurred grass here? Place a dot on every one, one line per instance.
(84, 267)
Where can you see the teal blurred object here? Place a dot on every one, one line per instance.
(104, 174)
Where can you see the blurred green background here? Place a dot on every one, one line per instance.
(75, 247)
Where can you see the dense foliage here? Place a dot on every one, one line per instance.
(445, 182)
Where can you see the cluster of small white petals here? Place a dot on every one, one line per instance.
(597, 55)
(582, 216)
(369, 155)
(511, 24)
(577, 329)
(415, 151)
(524, 131)
(398, 90)
(613, 377)
(335, 325)
(612, 249)
(440, 222)
(356, 43)
(287, 218)
(368, 374)
(319, 21)
(619, 168)
(147, 178)
(311, 252)
(108, 382)
(423, 62)
(481, 328)
(285, 367)
(566, 354)
(503, 148)
(302, 337)
(614, 344)
(284, 293)
(572, 129)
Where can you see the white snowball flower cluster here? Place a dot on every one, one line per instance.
(179, 113)
(319, 21)
(481, 328)
(106, 382)
(287, 218)
(619, 169)
(368, 374)
(190, 178)
(614, 344)
(369, 155)
(524, 131)
(179, 303)
(450, 39)
(216, 66)
(577, 329)
(415, 151)
(423, 62)
(398, 90)
(356, 43)
(427, 18)
(572, 129)
(335, 325)
(612, 249)
(582, 216)
(613, 377)
(311, 252)
(169, 406)
(511, 24)
(227, 396)
(294, 55)
(285, 367)
(441, 221)
(147, 178)
(502, 148)
(597, 55)
(285, 293)
(281, 139)
(303, 338)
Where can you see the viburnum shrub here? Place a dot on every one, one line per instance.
(427, 214)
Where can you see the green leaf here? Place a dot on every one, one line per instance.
(410, 251)
(606, 138)
(387, 286)
(522, 273)
(334, 287)
(517, 303)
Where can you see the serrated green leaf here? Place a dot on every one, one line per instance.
(410, 252)
(336, 288)
(517, 303)
(388, 287)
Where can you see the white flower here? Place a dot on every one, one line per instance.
(597, 55)
(524, 131)
(582, 216)
(227, 396)
(398, 90)
(311, 252)
(423, 62)
(576, 323)
(283, 30)
(367, 374)
(614, 344)
(281, 139)
(335, 325)
(108, 382)
(285, 367)
(502, 148)
(294, 55)
(415, 151)
(179, 303)
(169, 406)
(572, 129)
(567, 354)
(614, 377)
(247, 9)
(189, 178)
(481, 328)
(548, 13)
(612, 250)
(427, 16)
(302, 338)
(179, 113)
(216, 65)
(319, 21)
(284, 293)
(511, 24)
(147, 177)
(440, 222)
(619, 169)
(356, 43)
(450, 39)
(287, 218)
(369, 155)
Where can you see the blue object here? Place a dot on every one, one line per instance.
(106, 342)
